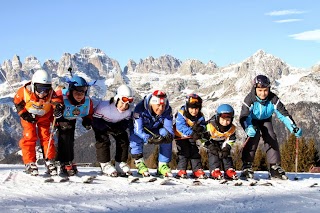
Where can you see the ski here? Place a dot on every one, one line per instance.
(313, 185)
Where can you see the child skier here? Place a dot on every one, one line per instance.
(76, 104)
(34, 103)
(190, 123)
(255, 119)
(152, 125)
(222, 138)
(112, 118)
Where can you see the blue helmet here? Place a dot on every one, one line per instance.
(225, 109)
(77, 81)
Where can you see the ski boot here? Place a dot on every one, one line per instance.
(216, 174)
(31, 168)
(108, 169)
(199, 174)
(123, 169)
(68, 168)
(247, 171)
(230, 174)
(164, 170)
(182, 174)
(277, 172)
(142, 168)
(51, 167)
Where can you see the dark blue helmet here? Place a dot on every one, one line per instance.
(193, 101)
(261, 81)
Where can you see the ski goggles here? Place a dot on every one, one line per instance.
(125, 99)
(42, 88)
(226, 115)
(193, 100)
(82, 90)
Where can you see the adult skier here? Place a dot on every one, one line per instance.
(152, 125)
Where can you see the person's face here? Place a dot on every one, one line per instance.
(122, 106)
(158, 109)
(78, 95)
(193, 111)
(225, 121)
(262, 93)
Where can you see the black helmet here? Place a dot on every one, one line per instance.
(261, 81)
(193, 101)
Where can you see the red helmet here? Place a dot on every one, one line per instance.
(158, 97)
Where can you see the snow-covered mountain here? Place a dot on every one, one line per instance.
(297, 88)
(24, 193)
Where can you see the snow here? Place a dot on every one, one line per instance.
(24, 193)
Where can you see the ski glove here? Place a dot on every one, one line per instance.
(225, 152)
(86, 123)
(197, 128)
(156, 139)
(297, 131)
(251, 132)
(58, 111)
(27, 116)
(168, 138)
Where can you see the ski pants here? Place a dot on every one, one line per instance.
(136, 145)
(66, 129)
(271, 146)
(214, 157)
(31, 132)
(188, 150)
(103, 146)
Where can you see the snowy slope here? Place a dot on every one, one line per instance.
(23, 193)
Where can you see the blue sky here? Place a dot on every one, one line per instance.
(222, 31)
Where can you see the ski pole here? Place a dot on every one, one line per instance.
(296, 163)
(241, 149)
(149, 131)
(53, 132)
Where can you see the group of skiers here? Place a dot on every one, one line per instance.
(150, 121)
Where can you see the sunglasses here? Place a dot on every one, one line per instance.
(226, 115)
(42, 88)
(125, 99)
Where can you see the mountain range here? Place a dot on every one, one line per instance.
(297, 87)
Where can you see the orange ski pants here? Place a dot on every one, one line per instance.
(30, 136)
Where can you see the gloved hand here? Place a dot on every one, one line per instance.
(64, 125)
(197, 128)
(58, 111)
(156, 139)
(27, 116)
(225, 152)
(87, 123)
(250, 130)
(168, 138)
(297, 131)
(196, 136)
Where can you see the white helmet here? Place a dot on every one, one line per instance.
(123, 91)
(40, 77)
